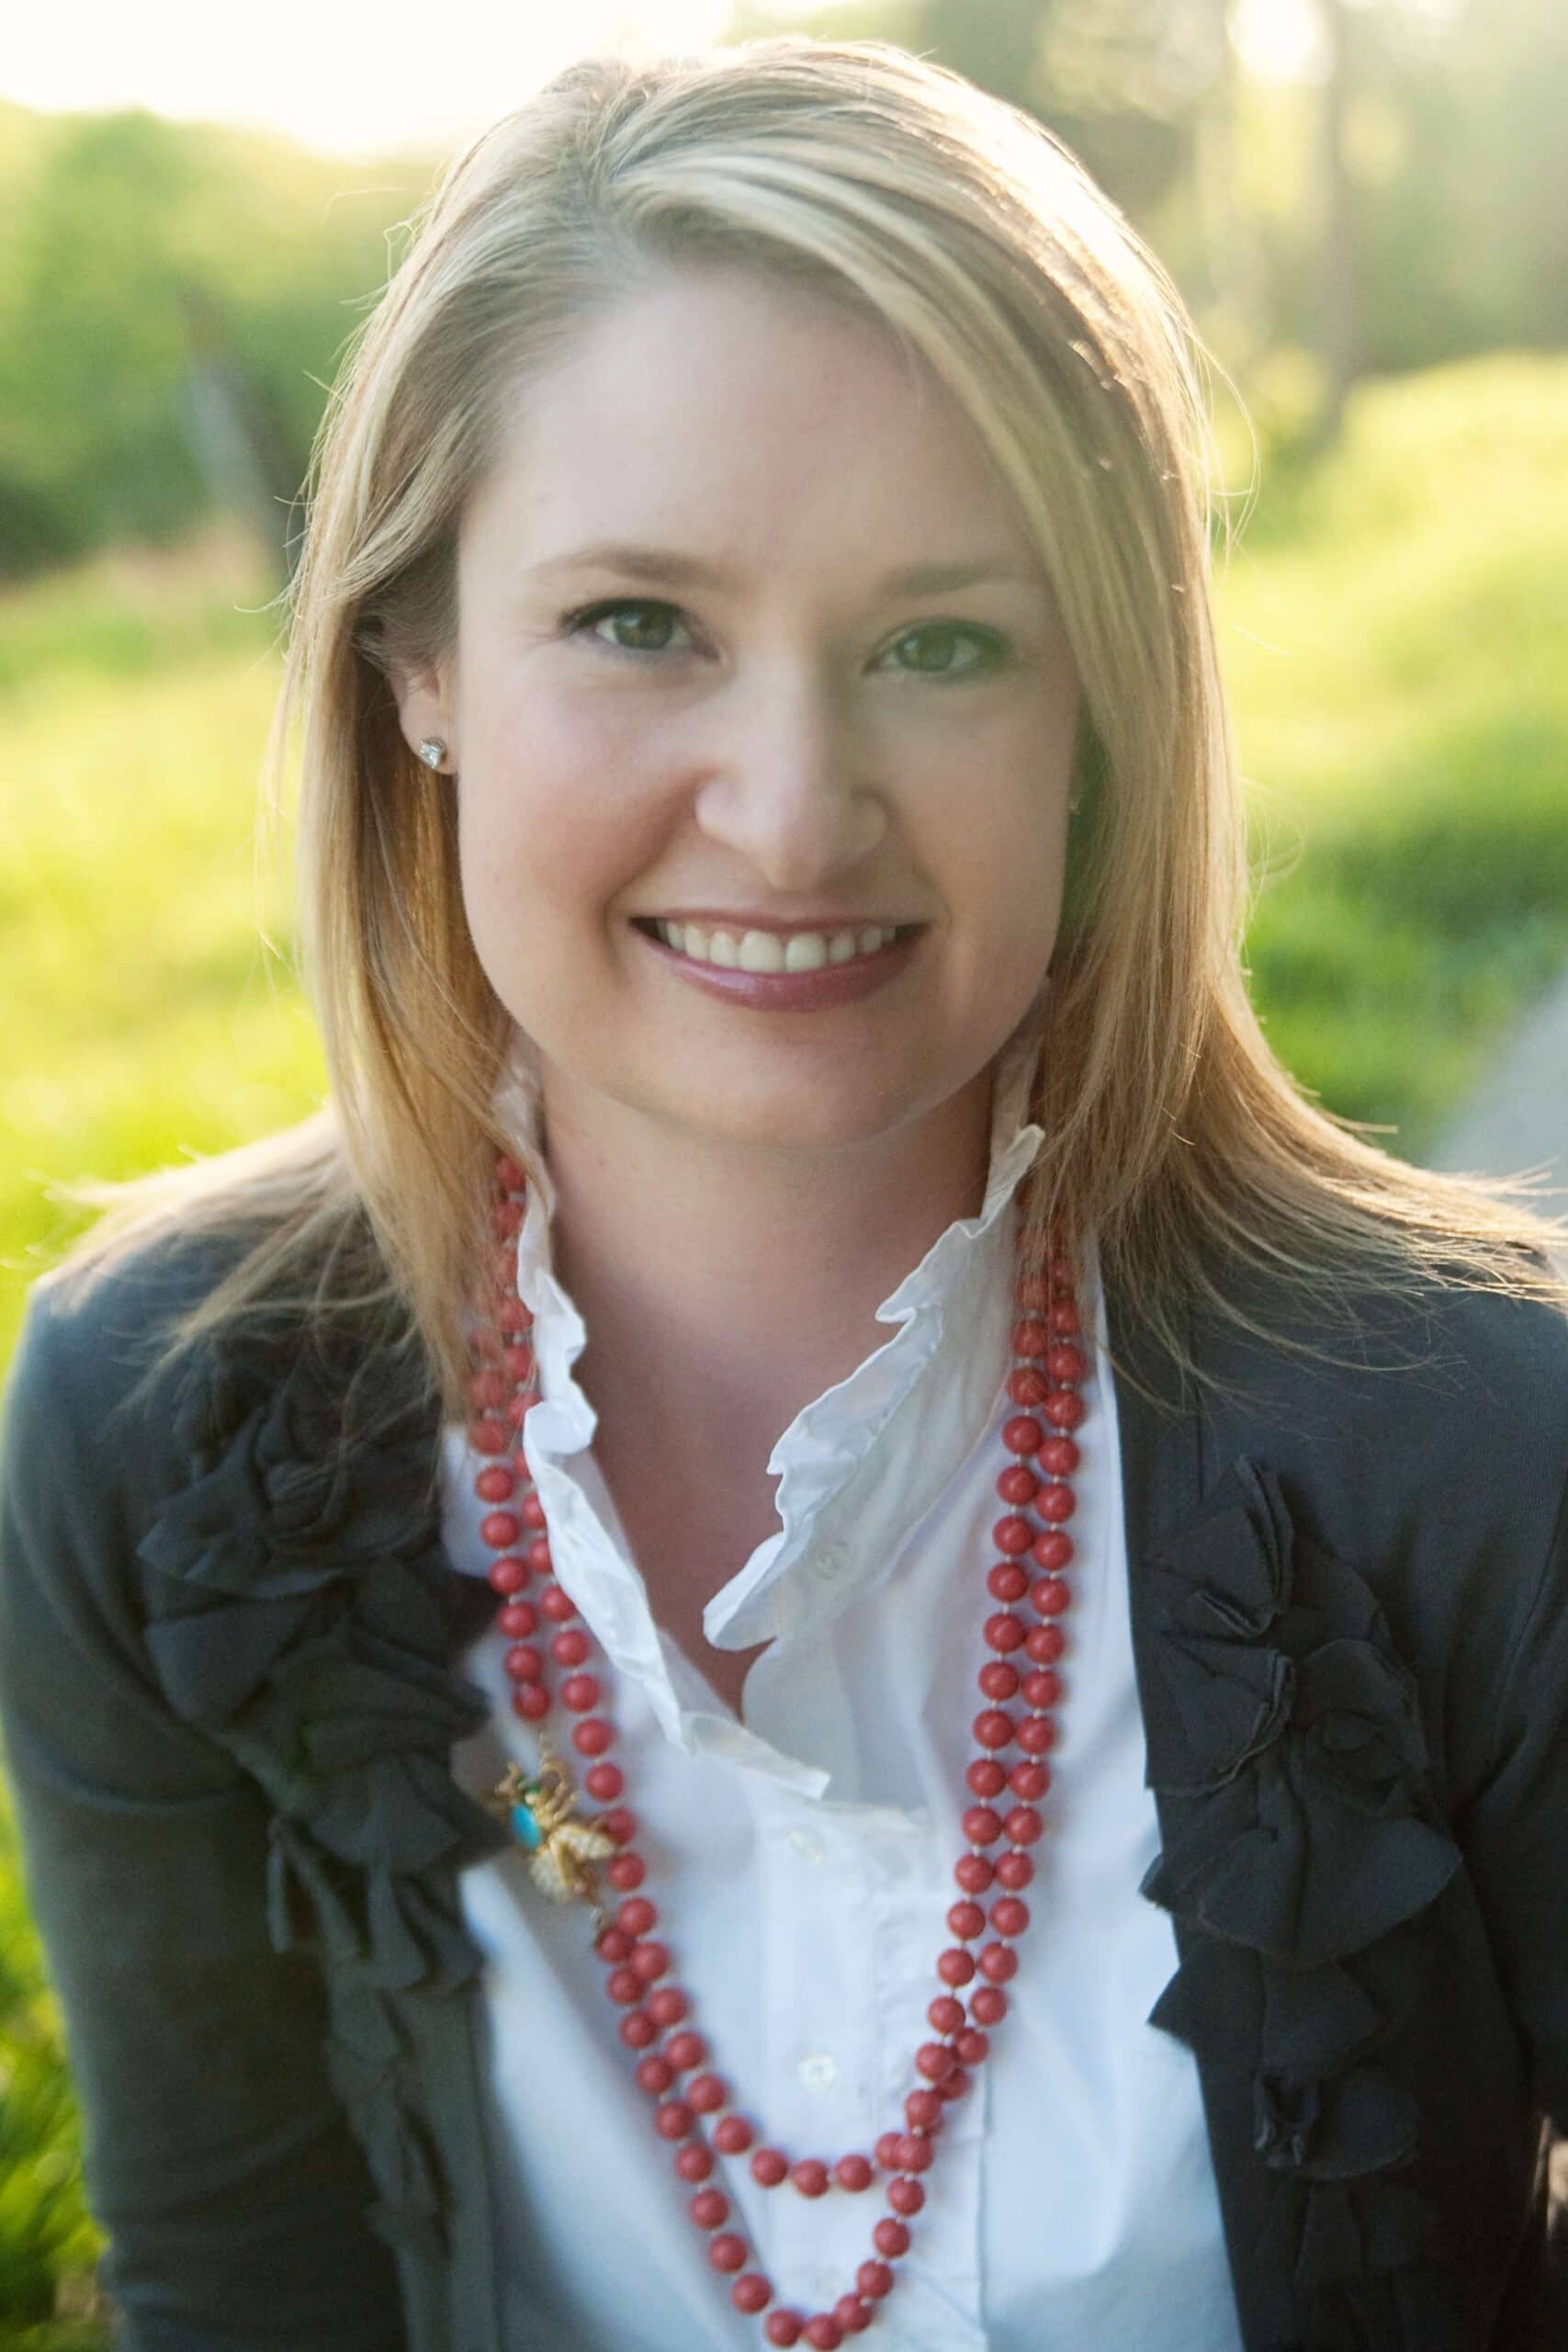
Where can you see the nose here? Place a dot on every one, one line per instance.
(790, 794)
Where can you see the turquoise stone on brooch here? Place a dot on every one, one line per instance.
(541, 1810)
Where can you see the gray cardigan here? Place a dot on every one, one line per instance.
(227, 1689)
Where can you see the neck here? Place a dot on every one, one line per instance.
(724, 1286)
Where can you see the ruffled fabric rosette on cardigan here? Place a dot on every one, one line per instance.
(299, 1612)
(1302, 1846)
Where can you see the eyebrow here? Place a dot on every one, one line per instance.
(675, 570)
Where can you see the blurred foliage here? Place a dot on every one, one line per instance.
(138, 252)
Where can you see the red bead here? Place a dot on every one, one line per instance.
(1012, 1534)
(823, 2331)
(693, 2160)
(517, 1617)
(655, 2074)
(533, 1513)
(953, 2085)
(726, 2252)
(1063, 1317)
(945, 2016)
(708, 2208)
(783, 2327)
(669, 2005)
(732, 2135)
(1010, 1917)
(993, 1728)
(810, 2177)
(973, 1873)
(1030, 1779)
(770, 2166)
(1014, 1870)
(906, 2195)
(508, 1576)
(1006, 1581)
(1064, 1409)
(626, 1872)
(985, 1777)
(965, 1919)
(1028, 1387)
(612, 1947)
(1022, 1434)
(956, 1966)
(852, 2173)
(557, 1605)
(752, 2293)
(998, 1963)
(514, 1315)
(874, 2279)
(1046, 1643)
(1030, 1337)
(1016, 1485)
(888, 2149)
(624, 1986)
(998, 1680)
(853, 2316)
(618, 1824)
(592, 1737)
(603, 1782)
(1056, 1503)
(522, 1662)
(707, 2093)
(891, 2238)
(1042, 1689)
(1065, 1363)
(922, 2109)
(973, 2047)
(683, 2049)
(1005, 1632)
(651, 1961)
(489, 1436)
(988, 2005)
(570, 1646)
(517, 1361)
(508, 1174)
(914, 2152)
(537, 1555)
(981, 1825)
(493, 1486)
(1051, 1595)
(1059, 1456)
(499, 1528)
(933, 2060)
(637, 2030)
(674, 2119)
(531, 1700)
(1036, 1734)
(579, 1691)
(1023, 1824)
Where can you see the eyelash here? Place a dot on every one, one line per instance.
(995, 648)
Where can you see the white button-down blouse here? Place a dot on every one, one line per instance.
(801, 1860)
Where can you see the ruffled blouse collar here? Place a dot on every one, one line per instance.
(858, 1467)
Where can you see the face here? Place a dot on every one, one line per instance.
(745, 712)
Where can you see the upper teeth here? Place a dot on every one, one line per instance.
(769, 951)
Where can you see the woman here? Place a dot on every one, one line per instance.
(772, 868)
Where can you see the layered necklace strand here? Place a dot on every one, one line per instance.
(566, 1847)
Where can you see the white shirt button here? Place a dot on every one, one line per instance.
(808, 1847)
(817, 2072)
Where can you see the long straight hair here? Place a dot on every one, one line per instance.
(888, 182)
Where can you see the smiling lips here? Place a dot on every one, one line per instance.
(770, 951)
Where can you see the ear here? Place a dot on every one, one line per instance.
(424, 708)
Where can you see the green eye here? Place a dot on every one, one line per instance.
(989, 651)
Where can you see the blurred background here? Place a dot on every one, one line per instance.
(1366, 207)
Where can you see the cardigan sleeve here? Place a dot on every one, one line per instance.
(216, 2156)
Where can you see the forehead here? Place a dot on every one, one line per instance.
(758, 415)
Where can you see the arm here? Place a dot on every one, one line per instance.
(215, 2154)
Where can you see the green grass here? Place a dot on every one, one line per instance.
(1390, 630)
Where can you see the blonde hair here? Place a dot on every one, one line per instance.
(886, 180)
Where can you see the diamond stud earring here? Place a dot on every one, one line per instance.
(433, 750)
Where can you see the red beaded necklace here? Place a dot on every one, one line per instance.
(567, 1849)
